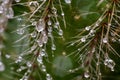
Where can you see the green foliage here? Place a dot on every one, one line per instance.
(53, 51)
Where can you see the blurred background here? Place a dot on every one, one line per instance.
(78, 14)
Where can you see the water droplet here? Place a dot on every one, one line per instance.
(86, 74)
(105, 62)
(34, 23)
(49, 22)
(20, 31)
(53, 47)
(7, 56)
(112, 34)
(39, 59)
(17, 0)
(40, 25)
(64, 53)
(29, 64)
(112, 69)
(96, 24)
(72, 44)
(49, 15)
(33, 34)
(68, 1)
(10, 13)
(71, 71)
(83, 39)
(43, 68)
(97, 63)
(50, 34)
(40, 43)
(87, 28)
(43, 53)
(109, 63)
(25, 77)
(92, 31)
(50, 29)
(21, 79)
(79, 49)
(19, 19)
(119, 40)
(93, 50)
(54, 10)
(33, 47)
(45, 39)
(100, 19)
(48, 77)
(23, 67)
(113, 39)
(2, 67)
(60, 32)
(109, 24)
(100, 73)
(105, 40)
(1, 9)
(56, 25)
(19, 70)
(19, 59)
(62, 14)
(33, 4)
(1, 29)
(97, 56)
(5, 1)
(29, 71)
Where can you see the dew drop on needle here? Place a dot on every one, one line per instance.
(86, 75)
(40, 25)
(105, 40)
(68, 1)
(2, 67)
